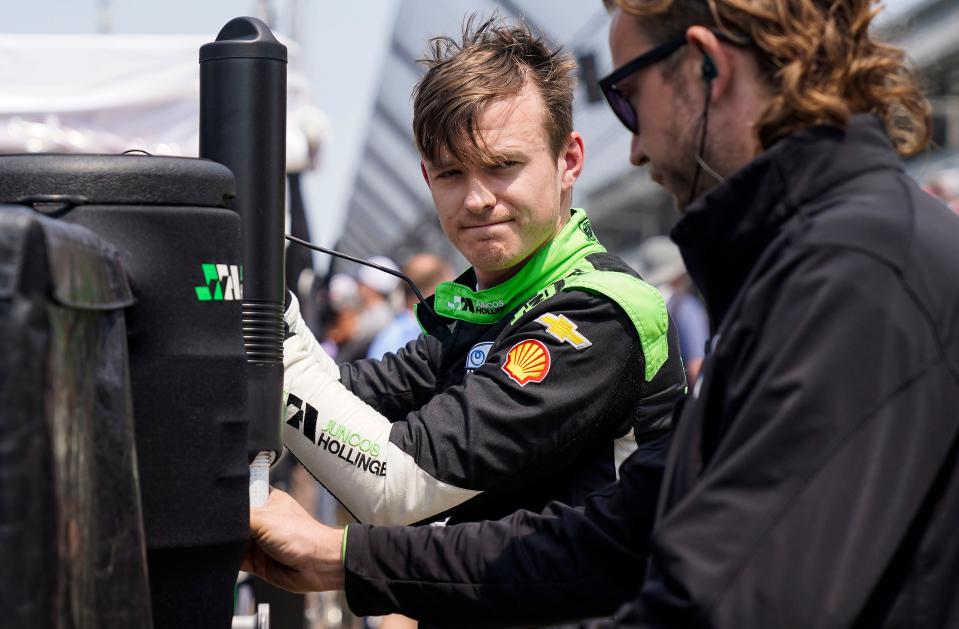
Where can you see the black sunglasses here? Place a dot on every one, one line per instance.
(609, 84)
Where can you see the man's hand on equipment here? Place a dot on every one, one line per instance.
(291, 550)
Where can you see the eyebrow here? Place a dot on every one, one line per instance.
(441, 165)
(513, 153)
(509, 154)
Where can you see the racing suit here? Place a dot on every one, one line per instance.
(531, 391)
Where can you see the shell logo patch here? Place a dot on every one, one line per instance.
(527, 361)
(563, 330)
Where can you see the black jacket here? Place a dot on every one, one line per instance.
(813, 480)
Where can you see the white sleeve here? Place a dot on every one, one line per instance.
(346, 444)
(306, 340)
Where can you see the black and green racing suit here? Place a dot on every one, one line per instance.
(540, 387)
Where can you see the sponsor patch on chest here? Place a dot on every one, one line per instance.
(527, 361)
(563, 330)
(476, 357)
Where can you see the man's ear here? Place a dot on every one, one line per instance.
(574, 157)
(716, 65)
(426, 176)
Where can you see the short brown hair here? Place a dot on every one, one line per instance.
(818, 57)
(490, 62)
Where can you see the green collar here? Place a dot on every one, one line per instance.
(550, 264)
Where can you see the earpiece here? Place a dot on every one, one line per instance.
(709, 70)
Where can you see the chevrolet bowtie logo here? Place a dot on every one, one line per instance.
(563, 330)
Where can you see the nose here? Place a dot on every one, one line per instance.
(636, 156)
(479, 197)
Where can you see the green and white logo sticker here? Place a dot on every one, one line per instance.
(222, 282)
(461, 303)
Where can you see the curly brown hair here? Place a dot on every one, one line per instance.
(817, 55)
(491, 61)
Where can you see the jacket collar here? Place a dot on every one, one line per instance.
(723, 233)
(459, 299)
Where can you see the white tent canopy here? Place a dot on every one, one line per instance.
(112, 93)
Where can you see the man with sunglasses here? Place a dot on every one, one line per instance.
(813, 479)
